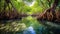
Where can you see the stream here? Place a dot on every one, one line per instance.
(49, 28)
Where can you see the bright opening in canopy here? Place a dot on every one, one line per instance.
(30, 3)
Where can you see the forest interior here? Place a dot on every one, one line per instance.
(19, 15)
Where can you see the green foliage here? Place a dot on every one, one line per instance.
(29, 0)
(1, 5)
(38, 7)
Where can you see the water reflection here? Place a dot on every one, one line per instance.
(29, 30)
(52, 28)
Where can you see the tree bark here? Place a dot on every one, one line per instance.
(50, 13)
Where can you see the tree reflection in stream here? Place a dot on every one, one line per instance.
(33, 28)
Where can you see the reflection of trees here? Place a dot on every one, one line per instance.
(50, 14)
(12, 26)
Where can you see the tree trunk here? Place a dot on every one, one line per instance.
(50, 14)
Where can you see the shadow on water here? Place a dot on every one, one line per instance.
(52, 27)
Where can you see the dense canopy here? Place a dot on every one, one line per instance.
(23, 16)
